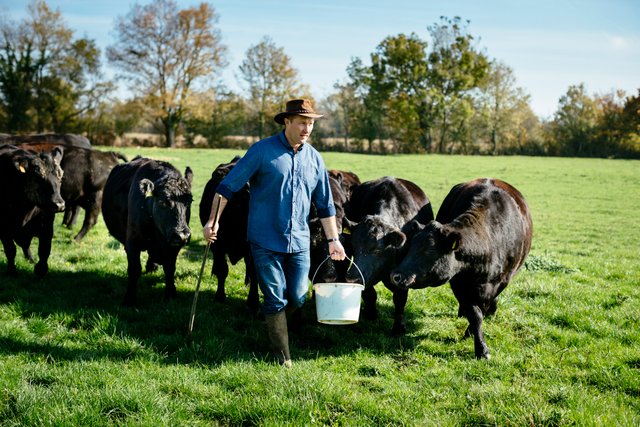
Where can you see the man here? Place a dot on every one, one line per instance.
(285, 176)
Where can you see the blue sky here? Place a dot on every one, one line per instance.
(549, 44)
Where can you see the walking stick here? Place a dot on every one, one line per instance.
(204, 260)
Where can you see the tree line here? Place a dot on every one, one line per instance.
(443, 94)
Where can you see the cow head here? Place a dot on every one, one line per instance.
(42, 176)
(168, 202)
(431, 258)
(376, 247)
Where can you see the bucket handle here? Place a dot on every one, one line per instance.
(313, 279)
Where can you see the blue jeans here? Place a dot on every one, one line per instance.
(283, 278)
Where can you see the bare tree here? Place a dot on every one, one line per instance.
(163, 51)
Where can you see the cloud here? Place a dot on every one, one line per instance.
(618, 43)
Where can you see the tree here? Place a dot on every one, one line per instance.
(503, 109)
(345, 111)
(215, 115)
(417, 93)
(368, 118)
(575, 121)
(164, 52)
(456, 68)
(17, 73)
(47, 78)
(270, 81)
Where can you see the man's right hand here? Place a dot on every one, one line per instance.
(210, 232)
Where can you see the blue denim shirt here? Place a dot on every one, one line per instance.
(282, 186)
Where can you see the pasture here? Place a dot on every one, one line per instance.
(565, 341)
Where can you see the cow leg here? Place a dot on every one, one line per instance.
(10, 252)
(92, 210)
(399, 301)
(151, 265)
(25, 245)
(253, 299)
(169, 278)
(369, 298)
(70, 215)
(493, 306)
(44, 245)
(221, 270)
(473, 313)
(134, 270)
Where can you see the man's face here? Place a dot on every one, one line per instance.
(297, 129)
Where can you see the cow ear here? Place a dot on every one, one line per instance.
(396, 239)
(146, 187)
(188, 175)
(57, 153)
(21, 164)
(453, 240)
(413, 227)
(347, 225)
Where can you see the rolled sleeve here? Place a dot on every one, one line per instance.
(322, 197)
(240, 174)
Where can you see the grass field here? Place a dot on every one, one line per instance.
(565, 341)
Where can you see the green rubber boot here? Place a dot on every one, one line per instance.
(279, 337)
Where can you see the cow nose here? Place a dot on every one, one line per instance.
(59, 206)
(352, 277)
(180, 237)
(396, 278)
(402, 281)
(330, 277)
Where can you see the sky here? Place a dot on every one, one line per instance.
(549, 44)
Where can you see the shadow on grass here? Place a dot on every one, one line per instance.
(80, 302)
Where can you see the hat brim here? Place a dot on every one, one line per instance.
(279, 118)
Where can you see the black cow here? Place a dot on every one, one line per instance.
(323, 269)
(348, 180)
(66, 139)
(30, 193)
(477, 243)
(85, 174)
(147, 206)
(232, 235)
(375, 216)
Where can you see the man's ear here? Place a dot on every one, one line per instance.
(146, 187)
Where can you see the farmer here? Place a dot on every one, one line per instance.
(285, 176)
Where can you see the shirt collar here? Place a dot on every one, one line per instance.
(283, 140)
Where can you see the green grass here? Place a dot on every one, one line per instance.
(565, 340)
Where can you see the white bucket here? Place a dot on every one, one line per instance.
(338, 303)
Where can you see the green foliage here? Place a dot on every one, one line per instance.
(413, 92)
(564, 339)
(47, 79)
